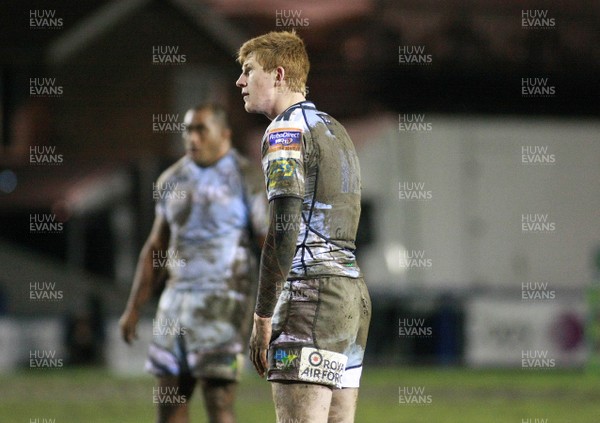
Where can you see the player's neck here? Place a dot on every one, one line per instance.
(284, 102)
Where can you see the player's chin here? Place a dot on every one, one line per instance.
(250, 108)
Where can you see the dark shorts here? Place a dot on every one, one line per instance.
(200, 333)
(320, 329)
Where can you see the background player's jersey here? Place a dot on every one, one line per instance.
(308, 154)
(209, 211)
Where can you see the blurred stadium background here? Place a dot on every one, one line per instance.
(477, 125)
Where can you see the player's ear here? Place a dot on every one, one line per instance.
(279, 75)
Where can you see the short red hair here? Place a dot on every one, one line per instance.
(280, 48)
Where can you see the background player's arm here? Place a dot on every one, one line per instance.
(146, 276)
(258, 207)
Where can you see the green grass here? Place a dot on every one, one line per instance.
(456, 395)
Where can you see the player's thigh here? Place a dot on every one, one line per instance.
(343, 405)
(302, 402)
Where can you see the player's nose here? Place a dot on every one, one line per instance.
(241, 81)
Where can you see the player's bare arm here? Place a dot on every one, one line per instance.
(276, 260)
(145, 278)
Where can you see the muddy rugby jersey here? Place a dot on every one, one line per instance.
(307, 154)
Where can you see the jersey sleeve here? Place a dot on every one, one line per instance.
(283, 164)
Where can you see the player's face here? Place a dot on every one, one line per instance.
(258, 88)
(206, 141)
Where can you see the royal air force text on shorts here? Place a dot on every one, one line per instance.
(537, 155)
(321, 366)
(167, 259)
(290, 19)
(167, 395)
(44, 359)
(330, 371)
(44, 87)
(167, 55)
(414, 328)
(413, 122)
(414, 55)
(537, 291)
(167, 123)
(538, 223)
(537, 359)
(44, 291)
(537, 88)
(537, 19)
(414, 191)
(44, 155)
(44, 19)
(414, 395)
(44, 223)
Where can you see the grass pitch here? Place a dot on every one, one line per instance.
(388, 395)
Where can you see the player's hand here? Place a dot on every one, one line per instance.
(259, 343)
(128, 323)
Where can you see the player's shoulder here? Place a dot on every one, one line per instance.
(303, 116)
(294, 117)
(289, 127)
(173, 171)
(314, 116)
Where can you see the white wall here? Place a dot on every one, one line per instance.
(470, 229)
